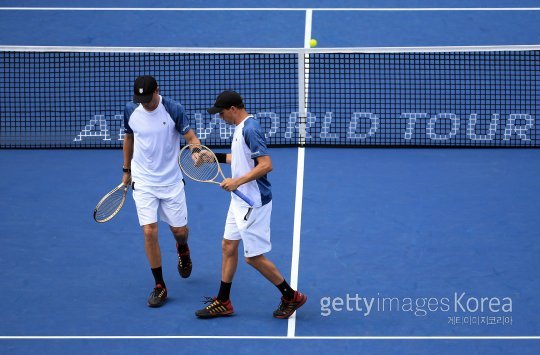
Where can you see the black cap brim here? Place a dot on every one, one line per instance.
(143, 99)
(214, 110)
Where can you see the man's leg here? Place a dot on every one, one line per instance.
(153, 253)
(184, 258)
(229, 259)
(151, 245)
(221, 305)
(291, 300)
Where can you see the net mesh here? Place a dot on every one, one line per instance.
(64, 99)
(462, 99)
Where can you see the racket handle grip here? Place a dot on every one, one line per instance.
(244, 197)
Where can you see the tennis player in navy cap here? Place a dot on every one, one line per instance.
(153, 125)
(250, 164)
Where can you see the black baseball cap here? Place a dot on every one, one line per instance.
(144, 88)
(226, 100)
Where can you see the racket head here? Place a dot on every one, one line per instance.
(199, 163)
(110, 204)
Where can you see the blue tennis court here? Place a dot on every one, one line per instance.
(400, 250)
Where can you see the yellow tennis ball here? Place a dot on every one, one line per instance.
(313, 43)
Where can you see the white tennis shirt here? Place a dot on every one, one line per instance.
(249, 143)
(156, 141)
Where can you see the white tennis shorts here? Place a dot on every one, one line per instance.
(167, 202)
(254, 231)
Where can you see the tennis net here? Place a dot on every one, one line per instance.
(73, 97)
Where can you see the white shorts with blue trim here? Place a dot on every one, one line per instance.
(253, 228)
(167, 202)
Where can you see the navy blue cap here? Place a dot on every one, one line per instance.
(144, 88)
(225, 100)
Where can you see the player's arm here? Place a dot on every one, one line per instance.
(194, 144)
(191, 138)
(223, 158)
(179, 116)
(128, 155)
(263, 167)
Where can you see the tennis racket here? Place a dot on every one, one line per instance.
(199, 163)
(110, 204)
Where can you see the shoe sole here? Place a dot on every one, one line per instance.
(214, 315)
(184, 274)
(157, 305)
(299, 305)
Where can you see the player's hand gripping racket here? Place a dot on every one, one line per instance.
(111, 204)
(199, 163)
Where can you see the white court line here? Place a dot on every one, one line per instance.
(291, 322)
(366, 9)
(262, 337)
(302, 108)
(299, 180)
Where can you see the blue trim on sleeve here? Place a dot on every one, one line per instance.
(264, 187)
(178, 114)
(128, 111)
(254, 138)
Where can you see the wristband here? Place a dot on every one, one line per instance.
(221, 157)
(126, 170)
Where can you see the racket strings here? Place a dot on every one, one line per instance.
(201, 165)
(110, 205)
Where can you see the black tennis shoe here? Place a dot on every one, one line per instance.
(184, 263)
(216, 308)
(158, 296)
(287, 307)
